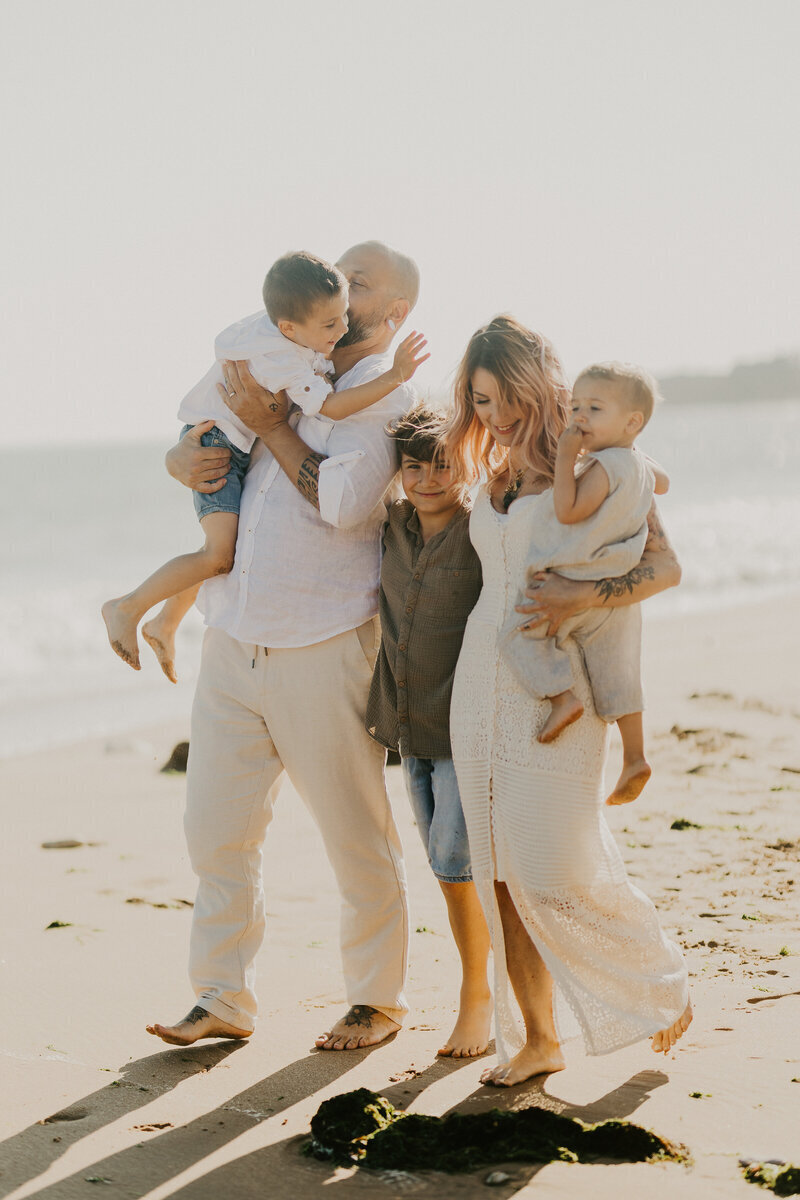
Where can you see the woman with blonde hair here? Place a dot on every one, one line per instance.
(580, 945)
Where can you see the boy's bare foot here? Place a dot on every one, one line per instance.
(632, 779)
(360, 1026)
(564, 710)
(470, 1035)
(196, 1025)
(121, 632)
(162, 643)
(535, 1058)
(665, 1039)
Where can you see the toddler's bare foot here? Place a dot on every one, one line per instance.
(196, 1025)
(542, 1057)
(665, 1039)
(162, 643)
(470, 1035)
(630, 783)
(360, 1026)
(121, 627)
(564, 710)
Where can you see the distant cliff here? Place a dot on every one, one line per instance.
(778, 379)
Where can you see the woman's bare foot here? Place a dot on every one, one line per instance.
(121, 627)
(665, 1039)
(535, 1058)
(470, 1035)
(565, 709)
(162, 642)
(196, 1025)
(632, 779)
(360, 1026)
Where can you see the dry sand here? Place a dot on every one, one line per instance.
(90, 1100)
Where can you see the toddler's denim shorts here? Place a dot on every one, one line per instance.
(228, 498)
(433, 791)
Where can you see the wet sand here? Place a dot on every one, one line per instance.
(88, 1095)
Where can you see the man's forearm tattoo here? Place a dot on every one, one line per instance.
(623, 584)
(308, 478)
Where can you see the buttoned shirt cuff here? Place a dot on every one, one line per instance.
(311, 395)
(333, 473)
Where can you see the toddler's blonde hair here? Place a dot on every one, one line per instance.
(639, 389)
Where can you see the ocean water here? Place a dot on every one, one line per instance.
(85, 523)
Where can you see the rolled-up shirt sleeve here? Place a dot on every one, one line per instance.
(361, 462)
(310, 393)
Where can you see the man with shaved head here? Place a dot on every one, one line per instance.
(286, 668)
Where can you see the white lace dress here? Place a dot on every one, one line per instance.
(536, 821)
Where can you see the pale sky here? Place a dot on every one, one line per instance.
(621, 174)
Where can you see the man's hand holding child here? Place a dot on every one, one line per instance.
(257, 408)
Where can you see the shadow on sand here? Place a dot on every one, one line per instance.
(279, 1169)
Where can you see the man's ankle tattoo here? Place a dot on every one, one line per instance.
(197, 1014)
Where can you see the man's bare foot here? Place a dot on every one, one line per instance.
(121, 629)
(665, 1039)
(360, 1026)
(632, 779)
(196, 1025)
(470, 1035)
(565, 709)
(162, 643)
(542, 1057)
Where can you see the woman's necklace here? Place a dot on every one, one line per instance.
(512, 491)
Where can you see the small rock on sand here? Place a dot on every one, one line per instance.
(178, 759)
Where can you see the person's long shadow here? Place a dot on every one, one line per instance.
(32, 1151)
(144, 1166)
(621, 1101)
(140, 1168)
(282, 1169)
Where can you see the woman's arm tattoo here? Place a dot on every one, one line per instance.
(308, 477)
(656, 534)
(657, 549)
(623, 583)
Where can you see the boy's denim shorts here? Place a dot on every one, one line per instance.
(228, 498)
(433, 791)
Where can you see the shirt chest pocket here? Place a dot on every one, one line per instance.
(454, 591)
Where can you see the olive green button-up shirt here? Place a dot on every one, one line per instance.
(426, 594)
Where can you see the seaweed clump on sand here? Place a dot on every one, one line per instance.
(783, 1179)
(365, 1128)
(341, 1126)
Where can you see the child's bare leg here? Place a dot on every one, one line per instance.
(159, 632)
(564, 709)
(470, 1035)
(123, 614)
(635, 768)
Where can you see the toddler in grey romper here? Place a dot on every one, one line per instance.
(606, 544)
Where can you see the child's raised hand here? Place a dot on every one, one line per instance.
(571, 441)
(408, 355)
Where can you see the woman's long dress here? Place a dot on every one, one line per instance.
(536, 821)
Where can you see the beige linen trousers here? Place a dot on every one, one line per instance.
(257, 713)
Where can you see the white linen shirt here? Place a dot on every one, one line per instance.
(303, 575)
(277, 363)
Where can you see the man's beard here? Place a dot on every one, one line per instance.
(360, 329)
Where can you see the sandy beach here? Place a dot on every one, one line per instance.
(94, 940)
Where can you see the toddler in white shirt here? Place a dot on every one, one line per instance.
(286, 349)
